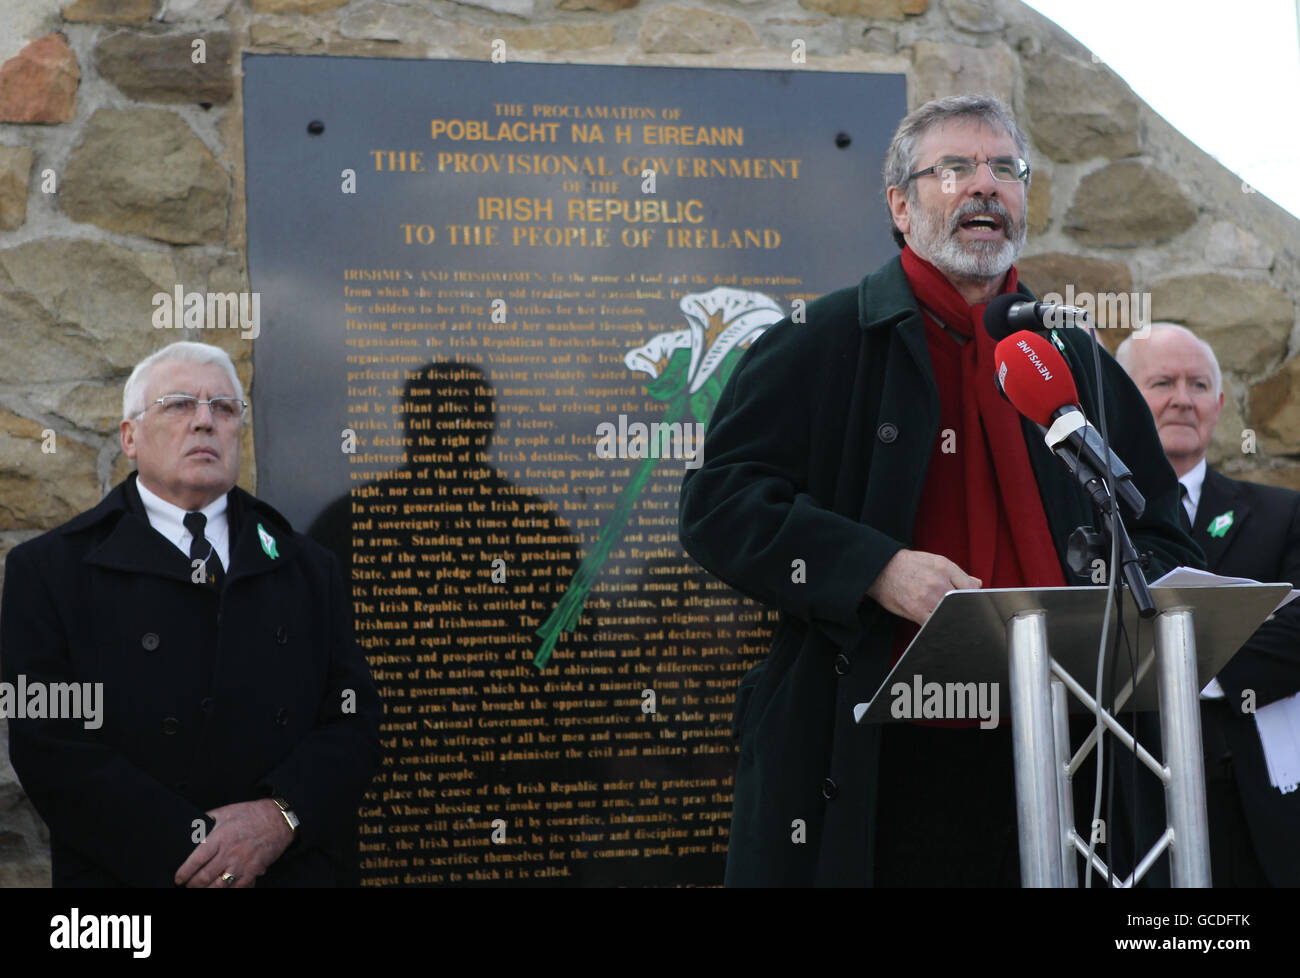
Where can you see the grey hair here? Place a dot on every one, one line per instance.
(900, 159)
(1124, 355)
(134, 391)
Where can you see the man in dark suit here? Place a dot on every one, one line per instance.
(1245, 530)
(238, 725)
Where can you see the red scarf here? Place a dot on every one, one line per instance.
(985, 474)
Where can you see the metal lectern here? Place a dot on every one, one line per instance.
(1039, 644)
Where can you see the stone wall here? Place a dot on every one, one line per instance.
(121, 168)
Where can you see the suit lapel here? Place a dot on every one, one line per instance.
(1220, 501)
(257, 543)
(909, 398)
(134, 546)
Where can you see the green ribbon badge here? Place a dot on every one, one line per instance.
(1219, 525)
(1058, 342)
(268, 541)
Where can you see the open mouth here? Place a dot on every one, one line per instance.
(982, 222)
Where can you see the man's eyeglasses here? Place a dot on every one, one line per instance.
(178, 407)
(1005, 169)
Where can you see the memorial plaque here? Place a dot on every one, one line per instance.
(498, 304)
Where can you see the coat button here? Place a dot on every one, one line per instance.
(282, 716)
(830, 789)
(170, 726)
(841, 665)
(281, 635)
(887, 432)
(149, 641)
(206, 704)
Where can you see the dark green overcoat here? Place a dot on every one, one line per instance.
(817, 452)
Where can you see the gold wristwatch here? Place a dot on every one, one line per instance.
(288, 814)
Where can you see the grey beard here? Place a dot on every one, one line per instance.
(977, 260)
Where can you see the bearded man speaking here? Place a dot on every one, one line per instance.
(870, 443)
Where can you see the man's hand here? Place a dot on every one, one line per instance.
(248, 837)
(913, 583)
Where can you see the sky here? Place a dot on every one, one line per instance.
(1226, 75)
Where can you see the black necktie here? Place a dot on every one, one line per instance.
(201, 549)
(1182, 508)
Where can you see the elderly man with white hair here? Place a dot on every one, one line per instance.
(1245, 530)
(238, 726)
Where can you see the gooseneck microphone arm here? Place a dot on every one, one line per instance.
(1131, 564)
(1112, 528)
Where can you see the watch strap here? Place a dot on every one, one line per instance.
(287, 811)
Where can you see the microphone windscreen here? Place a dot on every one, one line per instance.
(1034, 376)
(997, 320)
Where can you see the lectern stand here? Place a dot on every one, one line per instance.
(1040, 644)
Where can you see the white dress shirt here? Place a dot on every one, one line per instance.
(1193, 481)
(167, 518)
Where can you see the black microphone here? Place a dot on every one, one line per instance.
(1012, 312)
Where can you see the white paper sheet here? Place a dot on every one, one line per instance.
(1191, 577)
(1279, 731)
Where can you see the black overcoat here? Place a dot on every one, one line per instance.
(817, 452)
(1262, 543)
(209, 698)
